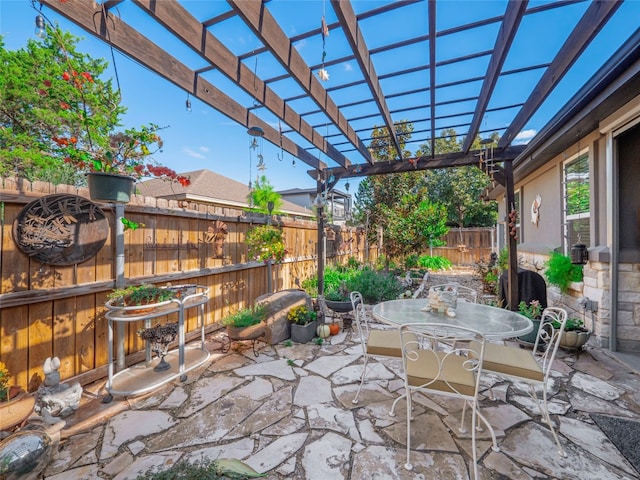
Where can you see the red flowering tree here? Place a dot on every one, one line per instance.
(59, 119)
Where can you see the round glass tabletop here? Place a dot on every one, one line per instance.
(493, 322)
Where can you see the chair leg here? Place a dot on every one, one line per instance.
(392, 413)
(408, 465)
(364, 374)
(473, 439)
(544, 411)
(462, 428)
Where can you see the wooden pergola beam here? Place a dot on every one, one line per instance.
(352, 33)
(444, 160)
(593, 20)
(175, 18)
(511, 22)
(264, 26)
(91, 17)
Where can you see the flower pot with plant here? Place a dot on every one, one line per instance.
(303, 323)
(86, 112)
(265, 243)
(533, 311)
(561, 272)
(245, 324)
(140, 299)
(575, 335)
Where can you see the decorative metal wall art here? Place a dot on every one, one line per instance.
(61, 229)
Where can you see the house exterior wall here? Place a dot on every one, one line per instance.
(536, 243)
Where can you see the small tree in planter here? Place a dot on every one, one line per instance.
(303, 323)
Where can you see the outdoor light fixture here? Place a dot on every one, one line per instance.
(40, 30)
(579, 254)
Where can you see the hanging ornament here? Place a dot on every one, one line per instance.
(324, 31)
(346, 186)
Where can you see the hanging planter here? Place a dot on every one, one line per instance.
(109, 187)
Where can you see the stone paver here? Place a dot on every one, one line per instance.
(289, 413)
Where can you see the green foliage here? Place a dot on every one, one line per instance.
(561, 272)
(4, 382)
(460, 188)
(318, 341)
(434, 263)
(572, 324)
(266, 243)
(375, 286)
(411, 261)
(353, 263)
(246, 317)
(141, 295)
(301, 315)
(532, 310)
(334, 276)
(288, 343)
(260, 196)
(222, 468)
(503, 260)
(58, 118)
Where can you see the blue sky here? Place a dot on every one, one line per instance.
(205, 138)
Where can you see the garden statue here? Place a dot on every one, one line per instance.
(55, 399)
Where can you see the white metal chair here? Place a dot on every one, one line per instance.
(432, 365)
(465, 294)
(385, 343)
(532, 367)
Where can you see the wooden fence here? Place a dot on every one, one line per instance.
(468, 246)
(48, 310)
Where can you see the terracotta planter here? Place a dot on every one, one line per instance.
(107, 187)
(15, 410)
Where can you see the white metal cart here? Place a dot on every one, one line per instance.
(142, 378)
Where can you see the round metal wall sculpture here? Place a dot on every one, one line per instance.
(61, 229)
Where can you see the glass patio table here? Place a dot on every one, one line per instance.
(493, 322)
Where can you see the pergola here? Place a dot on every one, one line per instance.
(477, 77)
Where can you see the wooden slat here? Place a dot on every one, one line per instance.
(15, 264)
(14, 343)
(349, 22)
(64, 333)
(506, 34)
(85, 329)
(265, 27)
(40, 320)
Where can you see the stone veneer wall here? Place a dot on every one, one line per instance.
(629, 307)
(595, 286)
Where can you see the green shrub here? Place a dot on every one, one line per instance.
(411, 261)
(434, 263)
(223, 468)
(561, 272)
(301, 315)
(375, 286)
(246, 317)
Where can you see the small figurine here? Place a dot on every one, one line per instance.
(55, 399)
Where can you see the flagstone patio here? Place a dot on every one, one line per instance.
(289, 413)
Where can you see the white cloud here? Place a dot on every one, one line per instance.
(524, 137)
(204, 149)
(348, 67)
(300, 44)
(192, 153)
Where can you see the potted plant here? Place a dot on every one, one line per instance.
(246, 323)
(141, 298)
(87, 112)
(338, 299)
(575, 335)
(533, 311)
(303, 323)
(561, 272)
(266, 243)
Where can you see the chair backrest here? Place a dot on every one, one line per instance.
(550, 330)
(465, 294)
(360, 315)
(442, 357)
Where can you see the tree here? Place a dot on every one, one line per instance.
(35, 109)
(459, 188)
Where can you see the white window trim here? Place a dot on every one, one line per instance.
(576, 216)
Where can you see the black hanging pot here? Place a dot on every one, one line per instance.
(579, 254)
(109, 187)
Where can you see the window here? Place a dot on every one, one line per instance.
(576, 201)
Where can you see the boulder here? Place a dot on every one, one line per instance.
(278, 305)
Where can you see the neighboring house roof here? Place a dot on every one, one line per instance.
(208, 186)
(310, 191)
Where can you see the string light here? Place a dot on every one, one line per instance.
(188, 104)
(40, 31)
